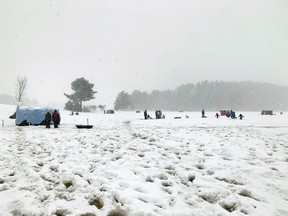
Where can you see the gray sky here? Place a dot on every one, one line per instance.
(139, 44)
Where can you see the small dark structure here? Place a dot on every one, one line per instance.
(109, 111)
(267, 112)
(138, 111)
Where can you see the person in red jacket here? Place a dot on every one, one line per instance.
(56, 118)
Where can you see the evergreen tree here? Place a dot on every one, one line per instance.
(83, 91)
(123, 101)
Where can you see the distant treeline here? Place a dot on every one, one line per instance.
(211, 96)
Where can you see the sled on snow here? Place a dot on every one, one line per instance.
(87, 126)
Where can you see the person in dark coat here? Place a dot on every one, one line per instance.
(241, 116)
(56, 118)
(233, 114)
(47, 119)
(145, 114)
(158, 114)
(203, 113)
(217, 115)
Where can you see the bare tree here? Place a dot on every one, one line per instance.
(20, 89)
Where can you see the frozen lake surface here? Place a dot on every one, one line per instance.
(130, 166)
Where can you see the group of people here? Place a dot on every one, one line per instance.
(231, 114)
(158, 115)
(55, 117)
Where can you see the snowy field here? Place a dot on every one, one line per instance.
(125, 165)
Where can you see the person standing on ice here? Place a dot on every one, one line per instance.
(203, 113)
(241, 116)
(56, 118)
(47, 119)
(145, 114)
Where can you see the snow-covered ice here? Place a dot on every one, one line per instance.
(125, 165)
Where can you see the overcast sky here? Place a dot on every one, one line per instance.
(139, 44)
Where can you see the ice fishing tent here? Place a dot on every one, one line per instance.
(267, 112)
(224, 112)
(31, 115)
(110, 111)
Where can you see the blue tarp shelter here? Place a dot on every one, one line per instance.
(34, 116)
